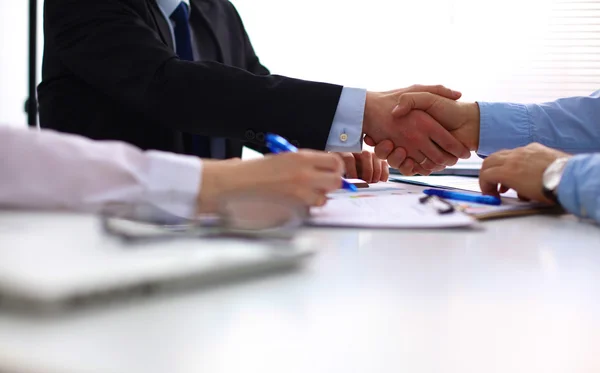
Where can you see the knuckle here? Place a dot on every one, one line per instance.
(301, 157)
(452, 161)
(429, 165)
(438, 159)
(303, 177)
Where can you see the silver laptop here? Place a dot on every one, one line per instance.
(50, 260)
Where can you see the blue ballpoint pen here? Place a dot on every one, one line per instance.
(278, 144)
(458, 196)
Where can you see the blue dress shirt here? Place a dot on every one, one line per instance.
(569, 124)
(345, 134)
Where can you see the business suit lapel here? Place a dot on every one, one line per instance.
(207, 12)
(161, 23)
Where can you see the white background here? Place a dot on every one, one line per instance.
(517, 50)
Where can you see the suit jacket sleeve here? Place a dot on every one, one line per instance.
(109, 45)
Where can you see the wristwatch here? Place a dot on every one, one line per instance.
(552, 176)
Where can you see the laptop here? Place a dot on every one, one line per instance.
(61, 260)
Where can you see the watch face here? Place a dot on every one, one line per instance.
(553, 173)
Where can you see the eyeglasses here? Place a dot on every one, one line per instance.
(243, 216)
(440, 205)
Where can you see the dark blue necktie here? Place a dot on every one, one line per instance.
(183, 45)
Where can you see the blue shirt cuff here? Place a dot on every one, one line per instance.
(346, 134)
(579, 189)
(503, 126)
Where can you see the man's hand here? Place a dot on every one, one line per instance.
(460, 119)
(425, 141)
(365, 166)
(520, 169)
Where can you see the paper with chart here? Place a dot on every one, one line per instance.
(384, 208)
(511, 205)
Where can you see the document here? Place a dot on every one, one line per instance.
(447, 182)
(511, 205)
(391, 208)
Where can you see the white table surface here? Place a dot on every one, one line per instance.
(518, 295)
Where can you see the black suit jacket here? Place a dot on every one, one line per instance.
(110, 72)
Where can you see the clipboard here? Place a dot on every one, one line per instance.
(510, 208)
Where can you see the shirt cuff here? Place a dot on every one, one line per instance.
(503, 126)
(173, 182)
(346, 134)
(579, 188)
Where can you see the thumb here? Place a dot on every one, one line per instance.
(413, 101)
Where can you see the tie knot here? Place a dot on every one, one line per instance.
(181, 13)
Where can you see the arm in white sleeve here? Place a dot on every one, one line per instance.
(49, 170)
(346, 133)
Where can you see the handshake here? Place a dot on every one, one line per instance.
(421, 129)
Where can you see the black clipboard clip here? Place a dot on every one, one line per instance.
(442, 206)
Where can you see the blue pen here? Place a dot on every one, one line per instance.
(278, 144)
(458, 196)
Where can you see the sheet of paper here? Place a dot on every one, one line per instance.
(387, 209)
(452, 182)
(509, 207)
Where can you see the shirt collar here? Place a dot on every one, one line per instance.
(169, 6)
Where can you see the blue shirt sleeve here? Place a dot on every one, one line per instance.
(346, 133)
(579, 189)
(569, 124)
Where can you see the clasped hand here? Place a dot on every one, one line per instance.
(417, 136)
(424, 129)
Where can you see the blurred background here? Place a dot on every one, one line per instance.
(510, 50)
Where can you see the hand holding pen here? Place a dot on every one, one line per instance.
(278, 144)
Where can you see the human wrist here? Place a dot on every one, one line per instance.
(371, 105)
(472, 123)
(215, 183)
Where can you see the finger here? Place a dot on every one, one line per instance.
(429, 165)
(376, 169)
(325, 181)
(437, 155)
(369, 140)
(419, 170)
(433, 167)
(422, 160)
(503, 189)
(365, 166)
(450, 144)
(349, 165)
(497, 159)
(321, 160)
(311, 197)
(413, 101)
(384, 149)
(439, 90)
(489, 179)
(385, 171)
(407, 167)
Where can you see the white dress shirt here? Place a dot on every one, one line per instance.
(49, 170)
(345, 134)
